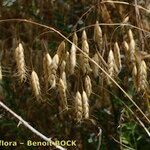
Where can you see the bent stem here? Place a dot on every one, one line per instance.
(26, 124)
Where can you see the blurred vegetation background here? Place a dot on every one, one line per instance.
(120, 129)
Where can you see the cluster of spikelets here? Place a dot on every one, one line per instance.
(66, 63)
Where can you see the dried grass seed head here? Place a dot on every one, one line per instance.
(85, 103)
(61, 51)
(98, 35)
(94, 67)
(131, 46)
(117, 56)
(84, 36)
(75, 39)
(35, 84)
(47, 61)
(72, 59)
(88, 85)
(62, 92)
(64, 78)
(78, 106)
(111, 66)
(135, 77)
(20, 62)
(142, 76)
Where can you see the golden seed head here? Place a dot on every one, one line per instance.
(111, 66)
(62, 66)
(35, 84)
(98, 35)
(94, 67)
(55, 61)
(130, 34)
(78, 106)
(75, 39)
(142, 77)
(72, 59)
(84, 36)
(63, 77)
(85, 103)
(20, 62)
(62, 92)
(117, 56)
(61, 49)
(85, 46)
(88, 85)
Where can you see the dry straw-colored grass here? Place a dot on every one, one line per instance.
(142, 77)
(88, 85)
(85, 103)
(94, 67)
(112, 68)
(75, 39)
(78, 106)
(47, 61)
(35, 84)
(62, 92)
(131, 46)
(98, 38)
(117, 56)
(72, 59)
(20, 62)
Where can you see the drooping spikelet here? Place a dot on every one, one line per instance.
(85, 103)
(75, 39)
(142, 77)
(135, 77)
(35, 84)
(50, 67)
(47, 60)
(98, 35)
(131, 47)
(78, 106)
(72, 59)
(62, 66)
(117, 56)
(63, 77)
(95, 68)
(111, 66)
(84, 36)
(61, 51)
(55, 61)
(53, 69)
(20, 62)
(62, 92)
(84, 61)
(88, 85)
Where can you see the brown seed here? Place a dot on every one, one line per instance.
(72, 59)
